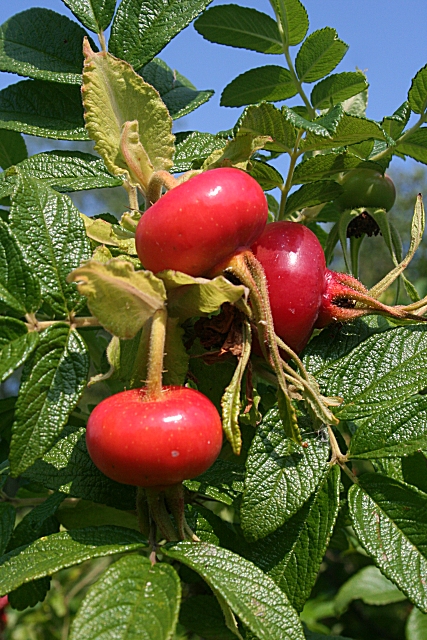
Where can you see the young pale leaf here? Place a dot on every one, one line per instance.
(52, 383)
(96, 15)
(292, 554)
(237, 152)
(266, 120)
(416, 625)
(312, 194)
(19, 287)
(293, 19)
(121, 298)
(224, 481)
(415, 145)
(67, 467)
(319, 55)
(250, 594)
(370, 586)
(7, 522)
(179, 94)
(270, 83)
(280, 476)
(16, 345)
(42, 108)
(12, 148)
(60, 550)
(193, 148)
(240, 27)
(39, 43)
(372, 378)
(398, 431)
(131, 600)
(337, 88)
(141, 29)
(52, 238)
(110, 234)
(327, 166)
(175, 362)
(115, 96)
(417, 96)
(390, 519)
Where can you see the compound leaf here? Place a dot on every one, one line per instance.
(319, 55)
(293, 18)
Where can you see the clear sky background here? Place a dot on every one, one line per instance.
(387, 39)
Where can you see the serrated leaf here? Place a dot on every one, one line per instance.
(398, 431)
(319, 54)
(12, 148)
(51, 236)
(312, 194)
(413, 469)
(266, 120)
(327, 166)
(110, 234)
(121, 298)
(370, 586)
(292, 554)
(29, 594)
(416, 625)
(350, 130)
(237, 152)
(37, 523)
(193, 149)
(202, 614)
(394, 125)
(251, 595)
(83, 513)
(96, 15)
(40, 43)
(379, 373)
(126, 118)
(280, 476)
(179, 95)
(390, 518)
(67, 467)
(240, 27)
(42, 108)
(52, 383)
(65, 549)
(293, 18)
(19, 287)
(141, 29)
(270, 83)
(267, 176)
(337, 88)
(16, 345)
(7, 522)
(417, 95)
(132, 599)
(415, 145)
(224, 481)
(315, 127)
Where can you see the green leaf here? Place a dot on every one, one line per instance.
(240, 27)
(67, 467)
(293, 19)
(319, 54)
(7, 522)
(39, 43)
(316, 127)
(390, 519)
(179, 95)
(395, 124)
(370, 586)
(270, 82)
(415, 145)
(398, 431)
(417, 96)
(29, 594)
(126, 118)
(337, 88)
(312, 194)
(52, 383)
(292, 554)
(203, 615)
(416, 625)
(141, 29)
(266, 120)
(16, 345)
(224, 481)
(280, 476)
(132, 599)
(252, 596)
(121, 298)
(19, 287)
(42, 108)
(52, 238)
(65, 549)
(96, 15)
(372, 377)
(175, 362)
(193, 149)
(37, 523)
(266, 175)
(12, 148)
(414, 470)
(327, 166)
(107, 233)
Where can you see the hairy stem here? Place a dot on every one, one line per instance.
(156, 354)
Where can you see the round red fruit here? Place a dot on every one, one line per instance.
(294, 265)
(154, 443)
(201, 222)
(366, 188)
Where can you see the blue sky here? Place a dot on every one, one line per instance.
(387, 40)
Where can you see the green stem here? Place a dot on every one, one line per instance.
(156, 354)
(338, 457)
(158, 180)
(288, 184)
(102, 41)
(158, 511)
(422, 119)
(75, 323)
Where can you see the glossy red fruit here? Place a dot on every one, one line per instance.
(202, 222)
(154, 443)
(366, 188)
(294, 265)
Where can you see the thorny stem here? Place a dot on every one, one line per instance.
(156, 354)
